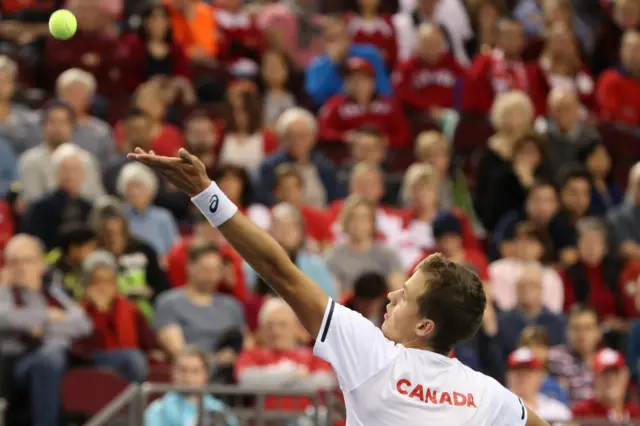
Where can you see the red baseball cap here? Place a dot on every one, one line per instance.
(356, 64)
(607, 359)
(523, 357)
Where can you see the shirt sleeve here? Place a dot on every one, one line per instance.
(164, 314)
(512, 411)
(355, 348)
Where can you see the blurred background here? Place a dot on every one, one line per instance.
(363, 136)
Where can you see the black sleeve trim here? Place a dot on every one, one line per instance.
(523, 409)
(328, 322)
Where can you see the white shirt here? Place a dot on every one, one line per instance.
(248, 153)
(552, 410)
(386, 384)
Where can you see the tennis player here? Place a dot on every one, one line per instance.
(400, 375)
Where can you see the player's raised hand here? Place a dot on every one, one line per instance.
(185, 170)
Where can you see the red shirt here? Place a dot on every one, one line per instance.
(421, 85)
(628, 286)
(177, 267)
(378, 32)
(316, 225)
(618, 97)
(262, 357)
(341, 114)
(167, 142)
(541, 82)
(240, 36)
(7, 227)
(590, 408)
(600, 297)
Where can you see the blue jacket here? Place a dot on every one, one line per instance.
(324, 78)
(511, 323)
(633, 349)
(175, 410)
(266, 175)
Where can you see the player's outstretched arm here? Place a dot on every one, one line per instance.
(257, 247)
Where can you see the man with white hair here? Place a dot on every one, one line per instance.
(138, 185)
(35, 166)
(37, 324)
(64, 205)
(624, 219)
(77, 87)
(280, 360)
(297, 131)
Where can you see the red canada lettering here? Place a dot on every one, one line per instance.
(445, 398)
(417, 391)
(431, 397)
(403, 382)
(459, 399)
(470, 402)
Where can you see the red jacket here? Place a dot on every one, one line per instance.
(240, 36)
(421, 85)
(341, 114)
(592, 409)
(177, 267)
(7, 227)
(618, 97)
(488, 77)
(541, 83)
(380, 33)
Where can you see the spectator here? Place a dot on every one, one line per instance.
(529, 310)
(190, 369)
(203, 233)
(512, 116)
(323, 78)
(289, 188)
(138, 185)
(195, 30)
(201, 138)
(38, 324)
(498, 71)
(369, 26)
(633, 340)
(7, 229)
(236, 184)
(624, 17)
(361, 253)
(566, 131)
(531, 245)
(121, 337)
(136, 126)
(535, 338)
(609, 390)
(575, 193)
(623, 219)
(240, 40)
(287, 228)
(528, 164)
(420, 189)
(17, 123)
(369, 147)
(614, 93)
(76, 242)
(245, 143)
(275, 76)
(198, 315)
(150, 98)
(560, 67)
(35, 166)
(594, 279)
(279, 362)
(77, 88)
(484, 15)
(361, 104)
(140, 277)
(297, 130)
(427, 80)
(153, 52)
(8, 166)
(605, 193)
(525, 377)
(92, 49)
(369, 297)
(570, 363)
(49, 214)
(432, 148)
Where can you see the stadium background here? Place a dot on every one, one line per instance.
(501, 133)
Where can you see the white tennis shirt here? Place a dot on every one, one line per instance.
(386, 384)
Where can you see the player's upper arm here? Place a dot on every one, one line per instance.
(510, 409)
(355, 348)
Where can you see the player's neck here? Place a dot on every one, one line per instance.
(418, 343)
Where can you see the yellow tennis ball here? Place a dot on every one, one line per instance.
(62, 24)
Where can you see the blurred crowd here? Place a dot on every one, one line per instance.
(363, 136)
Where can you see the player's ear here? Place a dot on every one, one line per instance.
(425, 327)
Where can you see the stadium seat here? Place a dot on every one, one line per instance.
(78, 400)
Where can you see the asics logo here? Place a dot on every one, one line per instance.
(213, 204)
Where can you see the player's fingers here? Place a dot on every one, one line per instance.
(186, 156)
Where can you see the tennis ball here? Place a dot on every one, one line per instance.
(62, 24)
